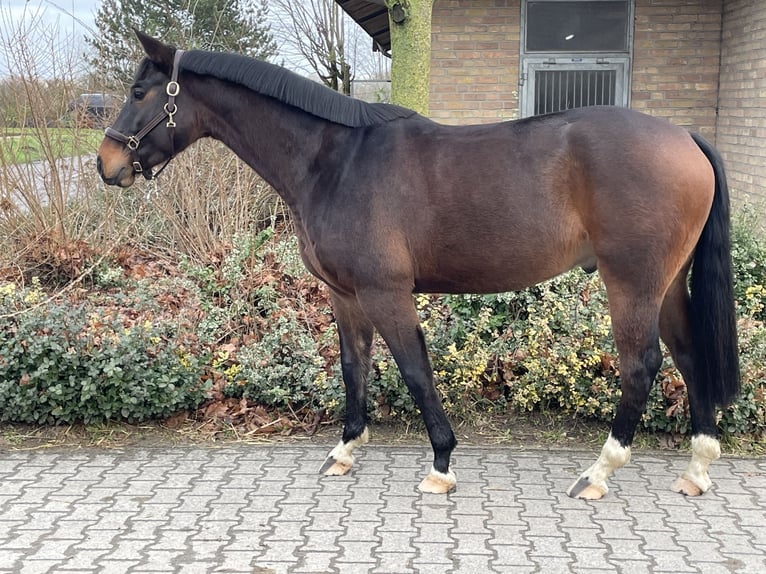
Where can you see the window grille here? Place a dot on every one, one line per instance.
(575, 53)
(557, 90)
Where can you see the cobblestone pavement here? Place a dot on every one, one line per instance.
(263, 509)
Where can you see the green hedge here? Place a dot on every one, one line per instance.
(258, 327)
(548, 348)
(65, 362)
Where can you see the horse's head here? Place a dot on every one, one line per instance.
(153, 125)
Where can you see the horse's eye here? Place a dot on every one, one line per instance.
(138, 94)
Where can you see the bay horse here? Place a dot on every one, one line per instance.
(387, 203)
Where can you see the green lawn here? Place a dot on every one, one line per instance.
(20, 145)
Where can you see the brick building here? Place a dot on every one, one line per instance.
(699, 63)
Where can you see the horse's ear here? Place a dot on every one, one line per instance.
(156, 51)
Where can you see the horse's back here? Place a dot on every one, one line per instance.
(499, 207)
(508, 205)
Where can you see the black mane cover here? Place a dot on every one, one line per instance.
(291, 88)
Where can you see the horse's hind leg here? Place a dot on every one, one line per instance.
(675, 330)
(355, 332)
(636, 332)
(396, 319)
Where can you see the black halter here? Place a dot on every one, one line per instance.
(168, 110)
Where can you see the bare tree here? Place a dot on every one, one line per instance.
(316, 29)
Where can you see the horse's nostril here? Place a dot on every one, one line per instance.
(99, 165)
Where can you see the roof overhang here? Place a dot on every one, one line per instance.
(372, 16)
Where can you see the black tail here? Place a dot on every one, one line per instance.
(714, 322)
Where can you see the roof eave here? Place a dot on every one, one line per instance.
(372, 16)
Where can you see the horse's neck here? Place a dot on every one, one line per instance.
(279, 142)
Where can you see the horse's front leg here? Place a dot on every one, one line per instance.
(396, 319)
(355, 332)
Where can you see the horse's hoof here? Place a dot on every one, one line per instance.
(340, 460)
(584, 489)
(684, 486)
(438, 482)
(332, 467)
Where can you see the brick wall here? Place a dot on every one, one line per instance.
(741, 133)
(699, 63)
(475, 61)
(676, 51)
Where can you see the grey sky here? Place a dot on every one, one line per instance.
(74, 19)
(69, 14)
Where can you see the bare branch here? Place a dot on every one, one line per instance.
(319, 31)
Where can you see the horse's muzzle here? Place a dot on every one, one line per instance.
(123, 177)
(114, 165)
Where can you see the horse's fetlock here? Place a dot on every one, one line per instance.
(706, 448)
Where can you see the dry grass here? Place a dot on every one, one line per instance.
(57, 219)
(205, 199)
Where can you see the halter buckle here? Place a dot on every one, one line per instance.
(172, 89)
(132, 142)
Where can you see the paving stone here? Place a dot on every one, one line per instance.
(312, 562)
(359, 530)
(554, 565)
(356, 551)
(472, 544)
(394, 563)
(472, 563)
(265, 510)
(512, 555)
(35, 566)
(437, 531)
(593, 560)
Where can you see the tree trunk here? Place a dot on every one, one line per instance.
(410, 24)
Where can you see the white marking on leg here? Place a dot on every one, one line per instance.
(705, 449)
(342, 454)
(613, 456)
(438, 482)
